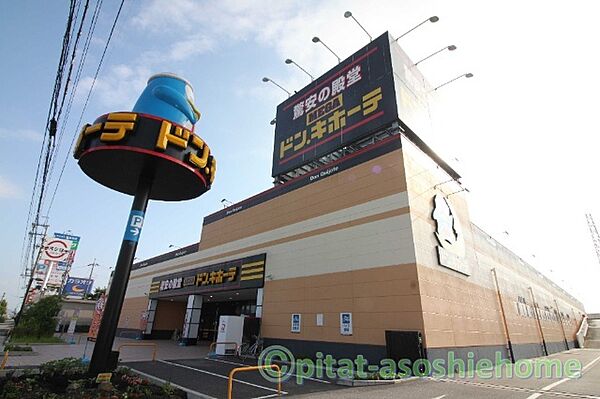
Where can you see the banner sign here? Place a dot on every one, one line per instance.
(97, 319)
(77, 287)
(350, 101)
(235, 274)
(74, 245)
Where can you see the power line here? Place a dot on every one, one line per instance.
(47, 148)
(84, 52)
(112, 29)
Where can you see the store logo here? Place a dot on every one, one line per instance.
(451, 249)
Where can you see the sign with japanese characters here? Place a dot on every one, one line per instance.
(349, 102)
(183, 165)
(296, 322)
(55, 249)
(77, 287)
(235, 274)
(346, 323)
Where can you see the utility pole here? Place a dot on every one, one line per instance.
(594, 234)
(34, 258)
(92, 265)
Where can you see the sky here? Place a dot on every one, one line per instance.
(522, 132)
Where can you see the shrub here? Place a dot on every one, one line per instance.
(38, 320)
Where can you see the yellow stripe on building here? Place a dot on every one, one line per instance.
(260, 262)
(252, 277)
(254, 270)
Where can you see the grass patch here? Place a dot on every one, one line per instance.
(36, 340)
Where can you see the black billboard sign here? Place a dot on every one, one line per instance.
(350, 101)
(236, 274)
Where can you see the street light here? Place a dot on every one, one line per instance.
(290, 61)
(430, 19)
(466, 75)
(317, 40)
(348, 14)
(265, 79)
(452, 47)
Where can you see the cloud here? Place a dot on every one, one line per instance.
(118, 87)
(20, 134)
(9, 190)
(195, 45)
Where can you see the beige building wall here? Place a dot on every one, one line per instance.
(362, 241)
(346, 240)
(464, 311)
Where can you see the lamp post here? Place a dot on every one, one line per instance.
(317, 40)
(452, 47)
(430, 19)
(348, 14)
(466, 75)
(266, 80)
(290, 61)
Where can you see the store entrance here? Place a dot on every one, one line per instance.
(229, 303)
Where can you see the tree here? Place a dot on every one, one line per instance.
(3, 306)
(39, 319)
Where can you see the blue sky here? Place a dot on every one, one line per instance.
(523, 130)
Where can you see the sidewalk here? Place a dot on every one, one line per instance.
(166, 349)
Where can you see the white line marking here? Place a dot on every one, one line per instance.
(439, 397)
(220, 376)
(268, 396)
(557, 383)
(295, 375)
(151, 377)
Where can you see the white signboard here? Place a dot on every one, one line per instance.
(55, 249)
(320, 319)
(296, 321)
(346, 323)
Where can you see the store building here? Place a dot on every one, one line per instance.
(363, 246)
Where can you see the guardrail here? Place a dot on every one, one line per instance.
(4, 361)
(581, 333)
(141, 344)
(214, 344)
(252, 368)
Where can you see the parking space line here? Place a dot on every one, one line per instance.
(187, 390)
(268, 396)
(295, 375)
(221, 376)
(557, 383)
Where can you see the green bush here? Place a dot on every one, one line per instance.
(38, 320)
(3, 306)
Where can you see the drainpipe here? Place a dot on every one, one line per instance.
(539, 323)
(506, 333)
(560, 319)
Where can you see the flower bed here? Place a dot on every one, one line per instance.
(67, 378)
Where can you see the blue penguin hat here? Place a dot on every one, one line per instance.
(170, 97)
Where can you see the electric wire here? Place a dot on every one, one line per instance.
(83, 58)
(112, 29)
(47, 144)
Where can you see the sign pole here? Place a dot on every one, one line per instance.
(100, 361)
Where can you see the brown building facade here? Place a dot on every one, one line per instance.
(377, 242)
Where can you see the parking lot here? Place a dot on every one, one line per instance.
(208, 378)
